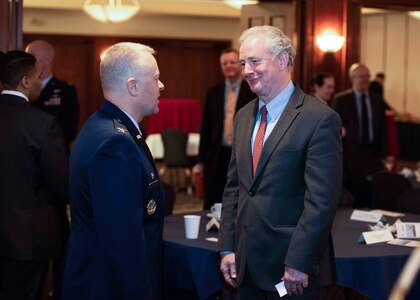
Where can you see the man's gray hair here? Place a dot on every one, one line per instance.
(354, 67)
(277, 41)
(122, 61)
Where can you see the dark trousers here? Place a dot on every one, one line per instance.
(23, 279)
(215, 177)
(248, 291)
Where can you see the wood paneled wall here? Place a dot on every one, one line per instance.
(315, 16)
(187, 67)
(10, 25)
(390, 44)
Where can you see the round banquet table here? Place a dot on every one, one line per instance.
(369, 269)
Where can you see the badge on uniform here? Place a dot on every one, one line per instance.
(151, 207)
(55, 100)
(120, 129)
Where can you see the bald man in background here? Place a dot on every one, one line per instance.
(57, 98)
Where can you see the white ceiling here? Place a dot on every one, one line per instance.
(179, 7)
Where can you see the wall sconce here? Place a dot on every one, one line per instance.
(238, 3)
(113, 11)
(330, 42)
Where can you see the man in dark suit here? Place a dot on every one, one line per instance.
(115, 246)
(364, 133)
(58, 97)
(33, 182)
(284, 180)
(217, 126)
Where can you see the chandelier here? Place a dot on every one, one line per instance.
(113, 11)
(238, 3)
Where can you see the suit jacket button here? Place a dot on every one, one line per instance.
(251, 194)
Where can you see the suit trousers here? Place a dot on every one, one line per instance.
(248, 291)
(215, 177)
(23, 279)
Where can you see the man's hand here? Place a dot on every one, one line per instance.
(294, 281)
(228, 268)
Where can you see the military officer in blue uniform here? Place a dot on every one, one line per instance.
(115, 246)
(58, 98)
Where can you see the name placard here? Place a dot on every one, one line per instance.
(378, 236)
(366, 216)
(211, 223)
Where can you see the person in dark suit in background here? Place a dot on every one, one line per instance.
(284, 180)
(115, 246)
(58, 97)
(33, 181)
(376, 86)
(364, 133)
(216, 135)
(323, 85)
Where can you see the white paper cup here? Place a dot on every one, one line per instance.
(192, 226)
(216, 209)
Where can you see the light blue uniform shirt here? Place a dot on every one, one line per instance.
(274, 110)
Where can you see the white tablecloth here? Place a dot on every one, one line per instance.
(154, 141)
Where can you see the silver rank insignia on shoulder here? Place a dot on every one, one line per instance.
(152, 175)
(151, 207)
(120, 129)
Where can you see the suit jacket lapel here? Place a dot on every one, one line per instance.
(286, 119)
(246, 145)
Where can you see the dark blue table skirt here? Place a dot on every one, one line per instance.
(369, 269)
(191, 264)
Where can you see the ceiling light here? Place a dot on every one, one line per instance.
(113, 11)
(414, 14)
(238, 3)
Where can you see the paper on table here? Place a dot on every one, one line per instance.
(281, 289)
(407, 243)
(212, 239)
(388, 213)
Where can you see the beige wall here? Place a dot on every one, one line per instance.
(390, 44)
(48, 21)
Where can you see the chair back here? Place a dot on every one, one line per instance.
(175, 147)
(410, 201)
(387, 187)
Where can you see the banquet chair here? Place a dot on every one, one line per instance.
(387, 187)
(175, 155)
(410, 201)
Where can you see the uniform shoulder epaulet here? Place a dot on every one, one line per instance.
(119, 126)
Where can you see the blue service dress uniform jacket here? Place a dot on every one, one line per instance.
(115, 246)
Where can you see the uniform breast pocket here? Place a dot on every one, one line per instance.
(154, 184)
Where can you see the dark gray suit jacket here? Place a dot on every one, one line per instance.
(283, 215)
